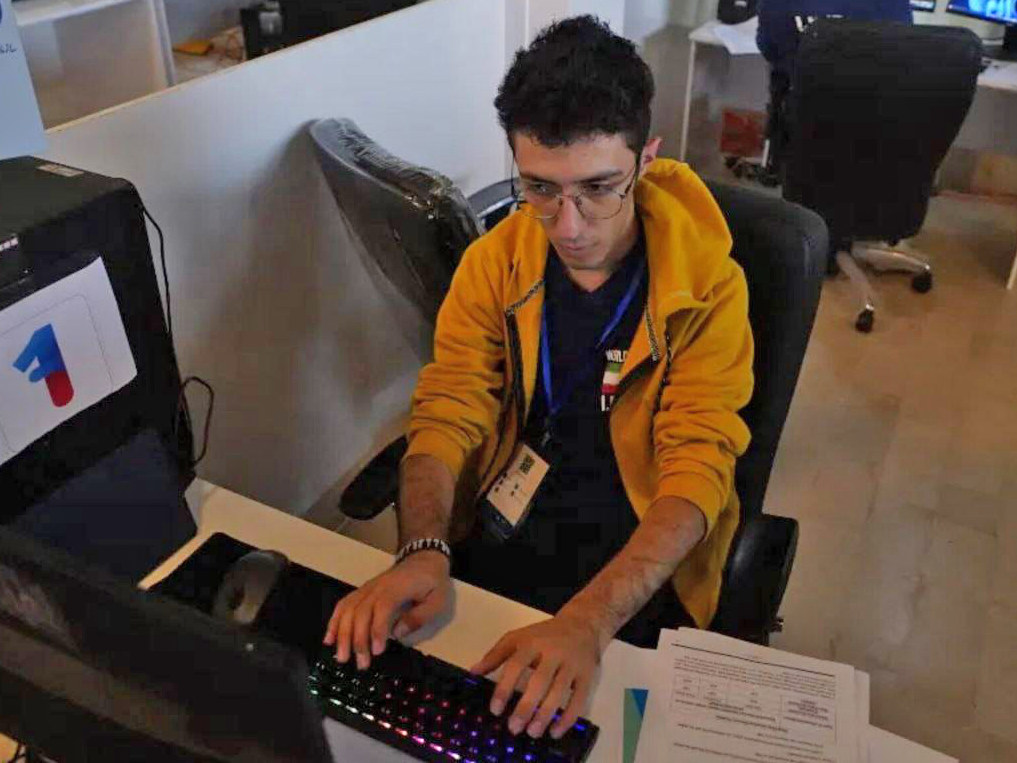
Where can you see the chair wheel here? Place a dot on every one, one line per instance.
(922, 283)
(865, 320)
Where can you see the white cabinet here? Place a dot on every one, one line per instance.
(88, 55)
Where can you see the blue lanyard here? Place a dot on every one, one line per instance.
(554, 406)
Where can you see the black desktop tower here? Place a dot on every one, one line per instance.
(108, 483)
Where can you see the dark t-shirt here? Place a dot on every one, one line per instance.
(581, 517)
(582, 513)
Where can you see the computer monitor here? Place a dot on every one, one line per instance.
(306, 19)
(998, 11)
(923, 5)
(94, 669)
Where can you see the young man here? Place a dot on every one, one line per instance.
(600, 333)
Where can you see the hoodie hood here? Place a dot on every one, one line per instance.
(687, 240)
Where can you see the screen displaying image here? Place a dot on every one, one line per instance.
(994, 10)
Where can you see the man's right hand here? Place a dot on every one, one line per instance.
(397, 603)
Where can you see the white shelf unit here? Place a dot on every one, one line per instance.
(88, 55)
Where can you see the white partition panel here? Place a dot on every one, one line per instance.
(270, 301)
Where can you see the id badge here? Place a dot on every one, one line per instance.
(509, 500)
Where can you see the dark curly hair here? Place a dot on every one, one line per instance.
(577, 79)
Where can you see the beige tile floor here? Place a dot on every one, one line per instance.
(227, 51)
(900, 462)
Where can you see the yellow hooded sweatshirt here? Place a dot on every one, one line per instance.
(674, 425)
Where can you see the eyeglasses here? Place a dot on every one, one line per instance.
(597, 201)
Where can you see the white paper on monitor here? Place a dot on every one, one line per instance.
(62, 350)
(21, 131)
(739, 39)
(716, 698)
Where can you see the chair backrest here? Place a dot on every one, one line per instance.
(872, 112)
(782, 248)
(413, 223)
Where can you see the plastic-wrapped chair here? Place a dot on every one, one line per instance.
(415, 225)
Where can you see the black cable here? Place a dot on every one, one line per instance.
(165, 272)
(185, 408)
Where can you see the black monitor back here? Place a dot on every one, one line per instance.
(93, 669)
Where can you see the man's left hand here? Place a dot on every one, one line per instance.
(564, 653)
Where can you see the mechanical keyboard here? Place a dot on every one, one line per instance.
(433, 711)
(425, 707)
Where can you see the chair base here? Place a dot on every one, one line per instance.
(882, 261)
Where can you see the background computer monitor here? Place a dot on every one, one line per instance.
(923, 5)
(998, 11)
(94, 669)
(305, 19)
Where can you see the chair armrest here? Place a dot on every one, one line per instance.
(493, 203)
(755, 578)
(377, 485)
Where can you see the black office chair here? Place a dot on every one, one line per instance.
(415, 222)
(872, 111)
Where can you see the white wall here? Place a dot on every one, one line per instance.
(692, 13)
(533, 15)
(611, 11)
(271, 303)
(645, 17)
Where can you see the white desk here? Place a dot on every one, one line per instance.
(480, 617)
(999, 77)
(702, 35)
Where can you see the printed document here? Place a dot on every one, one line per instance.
(719, 699)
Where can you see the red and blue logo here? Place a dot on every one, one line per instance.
(43, 346)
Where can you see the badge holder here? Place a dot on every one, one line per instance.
(510, 498)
